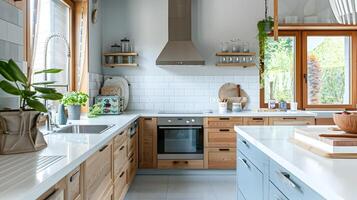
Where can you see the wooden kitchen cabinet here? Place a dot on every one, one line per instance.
(180, 164)
(255, 121)
(291, 121)
(222, 122)
(120, 184)
(73, 181)
(97, 174)
(220, 158)
(57, 192)
(148, 142)
(220, 137)
(119, 159)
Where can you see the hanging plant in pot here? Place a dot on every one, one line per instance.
(73, 101)
(265, 27)
(19, 131)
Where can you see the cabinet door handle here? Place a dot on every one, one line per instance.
(285, 177)
(258, 119)
(177, 162)
(223, 118)
(223, 149)
(244, 161)
(121, 175)
(289, 118)
(103, 148)
(132, 160)
(245, 143)
(147, 119)
(121, 148)
(73, 176)
(131, 155)
(121, 133)
(223, 130)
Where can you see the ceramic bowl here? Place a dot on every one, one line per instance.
(346, 122)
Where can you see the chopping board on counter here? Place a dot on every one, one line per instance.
(327, 142)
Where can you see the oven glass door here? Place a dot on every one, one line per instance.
(180, 140)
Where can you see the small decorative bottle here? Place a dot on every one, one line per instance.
(62, 118)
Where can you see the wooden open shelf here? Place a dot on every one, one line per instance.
(121, 65)
(235, 54)
(315, 26)
(121, 54)
(235, 65)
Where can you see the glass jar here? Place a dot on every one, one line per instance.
(125, 45)
(116, 48)
(224, 46)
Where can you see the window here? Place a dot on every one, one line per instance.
(321, 74)
(49, 18)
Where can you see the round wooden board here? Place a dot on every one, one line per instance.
(229, 92)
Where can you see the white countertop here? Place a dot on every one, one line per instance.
(331, 178)
(25, 184)
(72, 149)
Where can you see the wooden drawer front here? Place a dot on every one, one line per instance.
(132, 145)
(180, 164)
(221, 137)
(120, 185)
(289, 185)
(258, 158)
(132, 166)
(120, 139)
(120, 158)
(148, 143)
(218, 158)
(252, 121)
(223, 122)
(98, 172)
(73, 184)
(250, 179)
(292, 121)
(275, 194)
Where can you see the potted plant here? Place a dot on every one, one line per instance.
(19, 131)
(73, 101)
(265, 27)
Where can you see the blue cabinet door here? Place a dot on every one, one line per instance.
(250, 179)
(275, 194)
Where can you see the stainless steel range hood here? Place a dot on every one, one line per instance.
(180, 49)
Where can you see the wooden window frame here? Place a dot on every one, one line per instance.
(353, 75)
(301, 66)
(298, 70)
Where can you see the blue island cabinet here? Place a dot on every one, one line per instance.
(260, 178)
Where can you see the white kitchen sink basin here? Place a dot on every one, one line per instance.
(83, 129)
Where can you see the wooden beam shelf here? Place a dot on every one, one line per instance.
(235, 65)
(121, 65)
(235, 54)
(121, 54)
(315, 26)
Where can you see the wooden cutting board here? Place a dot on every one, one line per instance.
(326, 142)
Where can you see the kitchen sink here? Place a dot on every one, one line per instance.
(84, 129)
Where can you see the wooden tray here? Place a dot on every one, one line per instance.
(333, 143)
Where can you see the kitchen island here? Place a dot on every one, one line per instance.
(270, 166)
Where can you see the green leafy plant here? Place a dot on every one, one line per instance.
(264, 29)
(75, 98)
(31, 94)
(94, 110)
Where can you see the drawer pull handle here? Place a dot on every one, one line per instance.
(245, 142)
(223, 149)
(121, 148)
(289, 118)
(177, 162)
(103, 148)
(131, 155)
(147, 119)
(285, 177)
(223, 130)
(131, 160)
(244, 161)
(258, 119)
(121, 133)
(223, 118)
(73, 176)
(121, 175)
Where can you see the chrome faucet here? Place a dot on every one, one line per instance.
(50, 121)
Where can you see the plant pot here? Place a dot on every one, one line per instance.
(74, 112)
(19, 132)
(267, 27)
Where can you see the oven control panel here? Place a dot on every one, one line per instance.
(177, 121)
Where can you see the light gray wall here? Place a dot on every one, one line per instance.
(95, 39)
(146, 23)
(11, 44)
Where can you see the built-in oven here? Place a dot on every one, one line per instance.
(180, 138)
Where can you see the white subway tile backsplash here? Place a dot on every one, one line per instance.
(185, 93)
